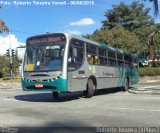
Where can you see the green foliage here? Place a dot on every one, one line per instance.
(155, 63)
(142, 33)
(3, 27)
(120, 38)
(4, 66)
(129, 16)
(157, 38)
(150, 71)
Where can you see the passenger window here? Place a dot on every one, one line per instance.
(111, 54)
(119, 56)
(92, 56)
(111, 58)
(91, 49)
(112, 62)
(96, 60)
(120, 64)
(128, 60)
(102, 56)
(120, 61)
(76, 54)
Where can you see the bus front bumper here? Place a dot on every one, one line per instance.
(57, 85)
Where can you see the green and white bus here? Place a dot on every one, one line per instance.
(63, 62)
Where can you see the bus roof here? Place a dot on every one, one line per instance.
(70, 35)
(103, 45)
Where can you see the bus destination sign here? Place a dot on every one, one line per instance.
(44, 40)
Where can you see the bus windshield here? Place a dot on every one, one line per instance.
(46, 56)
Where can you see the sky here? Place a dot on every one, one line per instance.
(26, 18)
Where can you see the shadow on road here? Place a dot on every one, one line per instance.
(107, 91)
(63, 97)
(47, 97)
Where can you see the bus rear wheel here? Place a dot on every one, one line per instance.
(55, 94)
(90, 88)
(126, 85)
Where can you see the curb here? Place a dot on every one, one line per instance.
(152, 81)
(151, 91)
(6, 88)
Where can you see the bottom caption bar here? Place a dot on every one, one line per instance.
(79, 129)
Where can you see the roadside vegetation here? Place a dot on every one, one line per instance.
(5, 66)
(9, 79)
(150, 71)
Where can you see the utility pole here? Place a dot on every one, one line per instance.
(10, 56)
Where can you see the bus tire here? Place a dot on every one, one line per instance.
(126, 85)
(55, 95)
(90, 88)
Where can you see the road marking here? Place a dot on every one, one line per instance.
(134, 109)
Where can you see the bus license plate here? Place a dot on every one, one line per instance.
(39, 85)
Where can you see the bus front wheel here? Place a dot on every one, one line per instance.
(90, 88)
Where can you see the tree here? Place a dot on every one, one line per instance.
(151, 44)
(129, 16)
(119, 37)
(3, 27)
(4, 63)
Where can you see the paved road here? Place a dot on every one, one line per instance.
(109, 108)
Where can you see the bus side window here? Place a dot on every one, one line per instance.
(111, 58)
(90, 59)
(96, 60)
(112, 62)
(92, 54)
(120, 64)
(75, 54)
(120, 61)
